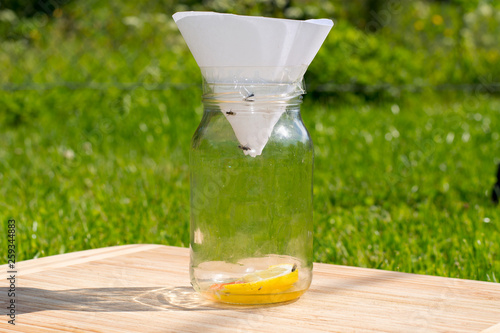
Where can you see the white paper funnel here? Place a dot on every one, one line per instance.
(248, 51)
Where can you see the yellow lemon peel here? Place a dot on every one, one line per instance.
(266, 286)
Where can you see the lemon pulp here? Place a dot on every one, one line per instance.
(271, 285)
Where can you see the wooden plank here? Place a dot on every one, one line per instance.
(492, 329)
(145, 288)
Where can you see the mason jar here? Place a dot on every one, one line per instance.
(251, 200)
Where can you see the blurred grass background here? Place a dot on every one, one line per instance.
(98, 102)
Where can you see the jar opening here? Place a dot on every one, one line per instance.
(252, 94)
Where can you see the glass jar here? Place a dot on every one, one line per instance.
(251, 216)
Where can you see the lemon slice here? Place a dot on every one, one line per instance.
(274, 280)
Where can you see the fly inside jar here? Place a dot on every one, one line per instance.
(251, 158)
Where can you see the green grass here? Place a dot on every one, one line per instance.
(408, 191)
(405, 191)
(398, 185)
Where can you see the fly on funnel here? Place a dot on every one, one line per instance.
(241, 55)
(251, 158)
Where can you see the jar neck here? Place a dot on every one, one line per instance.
(252, 109)
(253, 96)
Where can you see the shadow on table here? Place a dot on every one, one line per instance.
(30, 300)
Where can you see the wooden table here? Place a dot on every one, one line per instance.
(145, 288)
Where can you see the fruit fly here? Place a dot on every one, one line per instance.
(250, 95)
(231, 113)
(244, 147)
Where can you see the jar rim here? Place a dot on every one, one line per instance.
(248, 94)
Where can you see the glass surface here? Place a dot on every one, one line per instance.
(249, 214)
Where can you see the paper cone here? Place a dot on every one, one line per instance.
(247, 51)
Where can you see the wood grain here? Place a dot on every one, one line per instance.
(145, 288)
